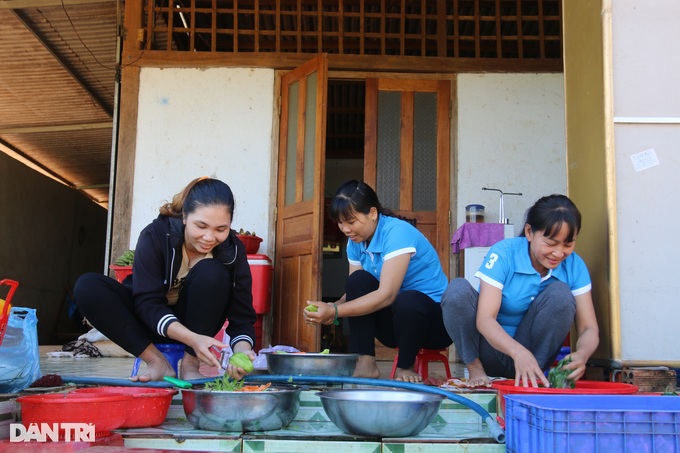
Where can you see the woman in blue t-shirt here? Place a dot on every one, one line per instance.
(531, 289)
(394, 287)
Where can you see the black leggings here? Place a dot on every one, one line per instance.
(201, 308)
(412, 322)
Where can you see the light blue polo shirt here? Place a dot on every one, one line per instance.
(507, 266)
(394, 237)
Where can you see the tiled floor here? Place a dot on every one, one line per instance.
(455, 429)
(121, 367)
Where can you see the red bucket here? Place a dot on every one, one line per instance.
(6, 305)
(582, 388)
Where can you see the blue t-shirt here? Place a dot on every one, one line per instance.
(508, 267)
(394, 237)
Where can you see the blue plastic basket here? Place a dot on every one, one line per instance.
(592, 423)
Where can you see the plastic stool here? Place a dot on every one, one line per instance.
(423, 359)
(172, 351)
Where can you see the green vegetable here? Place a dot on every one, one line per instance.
(126, 258)
(325, 351)
(241, 360)
(558, 376)
(224, 384)
(311, 308)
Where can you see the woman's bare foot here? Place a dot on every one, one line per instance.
(366, 367)
(188, 368)
(477, 375)
(157, 366)
(407, 375)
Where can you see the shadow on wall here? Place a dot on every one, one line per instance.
(53, 234)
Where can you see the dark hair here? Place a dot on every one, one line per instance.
(355, 197)
(549, 213)
(203, 191)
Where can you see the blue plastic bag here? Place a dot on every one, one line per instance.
(19, 352)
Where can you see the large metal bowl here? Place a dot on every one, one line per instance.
(268, 410)
(311, 364)
(380, 413)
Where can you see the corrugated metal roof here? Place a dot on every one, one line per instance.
(58, 58)
(57, 83)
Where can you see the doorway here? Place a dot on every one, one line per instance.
(394, 134)
(344, 161)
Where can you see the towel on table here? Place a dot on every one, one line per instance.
(477, 235)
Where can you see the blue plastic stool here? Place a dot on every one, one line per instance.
(172, 351)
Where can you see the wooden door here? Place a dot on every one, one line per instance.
(299, 225)
(406, 153)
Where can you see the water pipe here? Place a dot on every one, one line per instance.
(501, 207)
(495, 431)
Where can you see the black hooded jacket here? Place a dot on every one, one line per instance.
(158, 256)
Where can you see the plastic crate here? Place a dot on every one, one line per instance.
(592, 423)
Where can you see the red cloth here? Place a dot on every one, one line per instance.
(476, 235)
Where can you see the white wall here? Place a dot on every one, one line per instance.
(646, 63)
(205, 122)
(510, 137)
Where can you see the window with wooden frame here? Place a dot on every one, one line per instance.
(475, 29)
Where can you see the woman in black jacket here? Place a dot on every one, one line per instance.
(190, 274)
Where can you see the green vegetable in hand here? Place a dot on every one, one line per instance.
(126, 258)
(311, 308)
(241, 360)
(558, 376)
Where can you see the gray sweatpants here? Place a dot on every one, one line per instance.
(542, 330)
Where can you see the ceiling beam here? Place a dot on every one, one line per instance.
(25, 159)
(21, 4)
(61, 128)
(29, 26)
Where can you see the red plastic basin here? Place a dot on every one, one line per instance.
(120, 272)
(252, 243)
(582, 388)
(104, 411)
(148, 406)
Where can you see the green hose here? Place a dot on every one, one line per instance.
(495, 431)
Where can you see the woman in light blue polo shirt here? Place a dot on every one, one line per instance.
(394, 287)
(532, 288)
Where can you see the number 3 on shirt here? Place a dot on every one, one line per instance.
(491, 261)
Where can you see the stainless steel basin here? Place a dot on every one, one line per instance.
(380, 413)
(267, 410)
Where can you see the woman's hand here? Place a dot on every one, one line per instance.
(527, 370)
(322, 313)
(202, 345)
(577, 366)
